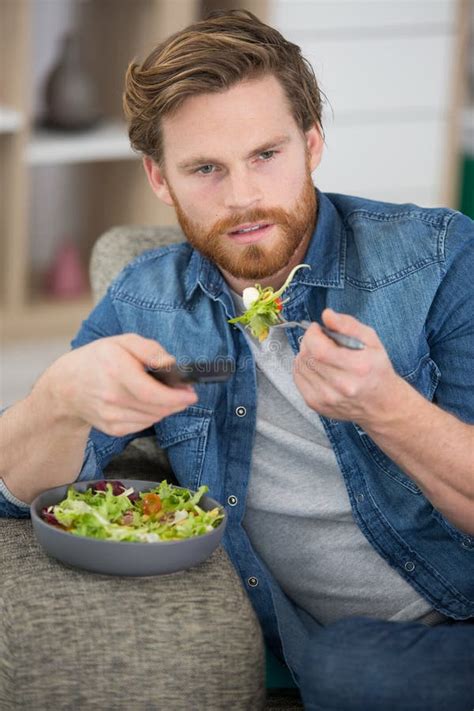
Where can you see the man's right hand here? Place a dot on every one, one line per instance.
(104, 385)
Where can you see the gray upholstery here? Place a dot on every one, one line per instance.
(119, 246)
(76, 640)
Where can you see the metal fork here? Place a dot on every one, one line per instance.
(340, 338)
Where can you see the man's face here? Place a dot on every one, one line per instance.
(238, 171)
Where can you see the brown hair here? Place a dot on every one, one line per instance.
(211, 56)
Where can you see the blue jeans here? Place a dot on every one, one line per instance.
(364, 664)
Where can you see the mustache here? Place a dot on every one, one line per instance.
(227, 224)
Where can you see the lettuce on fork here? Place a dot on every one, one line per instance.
(263, 307)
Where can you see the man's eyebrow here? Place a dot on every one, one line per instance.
(206, 160)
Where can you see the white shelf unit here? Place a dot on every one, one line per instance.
(10, 120)
(107, 142)
(58, 185)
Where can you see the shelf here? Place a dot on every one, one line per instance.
(46, 318)
(65, 184)
(10, 120)
(109, 141)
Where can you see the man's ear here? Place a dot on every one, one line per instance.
(157, 181)
(315, 146)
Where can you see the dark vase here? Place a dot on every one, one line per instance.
(70, 92)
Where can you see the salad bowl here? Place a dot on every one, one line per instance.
(121, 557)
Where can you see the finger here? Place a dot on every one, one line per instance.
(143, 389)
(121, 420)
(314, 371)
(146, 350)
(127, 405)
(350, 326)
(323, 349)
(122, 428)
(308, 368)
(157, 411)
(147, 392)
(313, 387)
(317, 379)
(122, 415)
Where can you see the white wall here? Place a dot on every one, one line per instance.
(386, 68)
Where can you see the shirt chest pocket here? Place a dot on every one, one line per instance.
(424, 378)
(184, 436)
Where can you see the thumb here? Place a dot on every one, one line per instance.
(350, 326)
(148, 351)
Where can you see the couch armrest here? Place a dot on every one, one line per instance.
(70, 639)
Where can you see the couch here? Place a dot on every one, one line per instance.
(70, 639)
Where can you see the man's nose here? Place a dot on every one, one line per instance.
(242, 192)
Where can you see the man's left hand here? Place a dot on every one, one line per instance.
(345, 384)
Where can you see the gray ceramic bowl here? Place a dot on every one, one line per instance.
(122, 557)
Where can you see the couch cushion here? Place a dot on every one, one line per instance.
(70, 639)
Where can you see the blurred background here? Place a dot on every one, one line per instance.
(399, 123)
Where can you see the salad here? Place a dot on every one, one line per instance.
(108, 510)
(263, 306)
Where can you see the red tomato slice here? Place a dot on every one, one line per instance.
(151, 504)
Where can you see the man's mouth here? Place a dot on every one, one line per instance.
(249, 228)
(250, 232)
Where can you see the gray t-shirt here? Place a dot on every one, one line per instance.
(298, 515)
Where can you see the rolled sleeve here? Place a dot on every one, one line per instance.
(10, 506)
(450, 325)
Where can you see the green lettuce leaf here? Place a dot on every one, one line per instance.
(264, 312)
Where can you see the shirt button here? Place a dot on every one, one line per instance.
(300, 338)
(240, 411)
(253, 582)
(467, 543)
(410, 566)
(360, 498)
(232, 500)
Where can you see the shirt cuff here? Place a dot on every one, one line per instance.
(11, 498)
(89, 470)
(5, 491)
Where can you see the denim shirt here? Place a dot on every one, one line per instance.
(406, 271)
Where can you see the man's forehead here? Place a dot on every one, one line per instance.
(243, 117)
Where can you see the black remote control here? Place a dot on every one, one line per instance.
(217, 371)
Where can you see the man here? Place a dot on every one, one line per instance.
(347, 475)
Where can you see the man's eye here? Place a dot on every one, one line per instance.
(205, 169)
(267, 155)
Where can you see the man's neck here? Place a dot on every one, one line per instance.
(275, 280)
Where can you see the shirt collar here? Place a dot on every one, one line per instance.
(325, 255)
